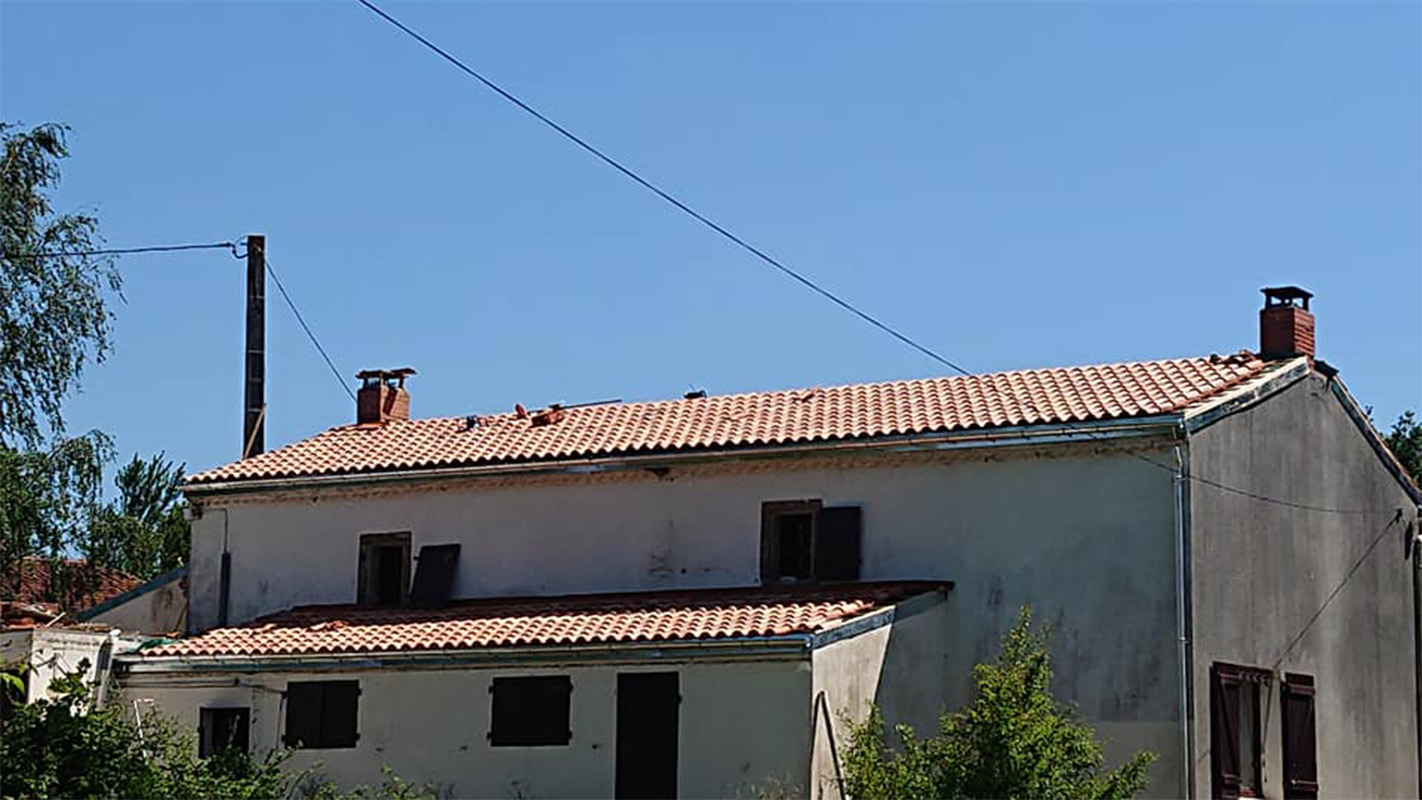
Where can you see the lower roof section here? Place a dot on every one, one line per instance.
(494, 625)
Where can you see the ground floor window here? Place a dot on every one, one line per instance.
(223, 728)
(531, 712)
(321, 714)
(1300, 740)
(1235, 736)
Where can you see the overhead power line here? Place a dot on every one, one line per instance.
(120, 251)
(668, 197)
(310, 334)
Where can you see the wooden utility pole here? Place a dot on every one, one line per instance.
(255, 404)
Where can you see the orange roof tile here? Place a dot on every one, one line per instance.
(585, 619)
(930, 405)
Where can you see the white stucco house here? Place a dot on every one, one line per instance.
(680, 598)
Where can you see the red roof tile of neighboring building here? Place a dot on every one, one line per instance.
(931, 405)
(587, 619)
(42, 588)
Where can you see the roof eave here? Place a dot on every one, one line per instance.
(1041, 434)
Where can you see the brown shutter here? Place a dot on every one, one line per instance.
(836, 545)
(434, 577)
(769, 545)
(339, 703)
(1224, 731)
(1300, 738)
(303, 714)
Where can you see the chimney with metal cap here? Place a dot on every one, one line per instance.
(1285, 323)
(382, 396)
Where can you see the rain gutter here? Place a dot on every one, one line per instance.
(1164, 424)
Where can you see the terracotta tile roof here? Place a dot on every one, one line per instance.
(73, 587)
(515, 622)
(930, 405)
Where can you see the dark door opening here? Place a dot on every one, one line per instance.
(647, 712)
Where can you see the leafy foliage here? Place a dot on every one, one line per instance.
(48, 502)
(69, 746)
(1014, 740)
(1405, 441)
(145, 532)
(53, 317)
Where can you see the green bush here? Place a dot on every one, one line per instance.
(1014, 740)
(71, 747)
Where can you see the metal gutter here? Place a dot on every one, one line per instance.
(787, 647)
(898, 612)
(1250, 393)
(1375, 440)
(1162, 424)
(137, 591)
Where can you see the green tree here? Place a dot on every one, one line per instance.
(53, 315)
(1014, 740)
(145, 532)
(1405, 440)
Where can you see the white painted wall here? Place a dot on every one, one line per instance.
(742, 724)
(51, 653)
(160, 610)
(1086, 538)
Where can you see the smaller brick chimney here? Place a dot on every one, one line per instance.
(1285, 323)
(382, 396)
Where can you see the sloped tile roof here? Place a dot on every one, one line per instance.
(930, 405)
(520, 622)
(45, 585)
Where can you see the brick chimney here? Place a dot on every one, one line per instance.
(382, 396)
(1285, 323)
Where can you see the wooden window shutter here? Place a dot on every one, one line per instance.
(1224, 730)
(434, 577)
(1300, 737)
(303, 714)
(339, 703)
(837, 541)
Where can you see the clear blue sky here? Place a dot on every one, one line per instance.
(1015, 184)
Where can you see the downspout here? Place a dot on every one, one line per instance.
(1417, 634)
(1182, 630)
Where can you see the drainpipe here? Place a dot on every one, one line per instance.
(1182, 631)
(1417, 633)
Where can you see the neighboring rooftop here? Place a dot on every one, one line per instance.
(44, 587)
(686, 615)
(857, 411)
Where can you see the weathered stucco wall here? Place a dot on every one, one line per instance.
(51, 653)
(159, 609)
(742, 726)
(901, 667)
(1085, 537)
(1261, 571)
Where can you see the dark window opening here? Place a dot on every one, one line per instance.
(384, 569)
(800, 541)
(647, 734)
(1300, 737)
(321, 714)
(1235, 735)
(794, 532)
(531, 712)
(222, 728)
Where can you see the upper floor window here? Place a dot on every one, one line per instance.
(802, 541)
(384, 569)
(1299, 740)
(321, 714)
(1235, 738)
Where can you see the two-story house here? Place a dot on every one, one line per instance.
(684, 597)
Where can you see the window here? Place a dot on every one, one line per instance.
(1300, 742)
(321, 714)
(384, 569)
(1235, 739)
(222, 728)
(530, 712)
(800, 541)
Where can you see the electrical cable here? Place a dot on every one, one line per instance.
(160, 248)
(310, 334)
(664, 195)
